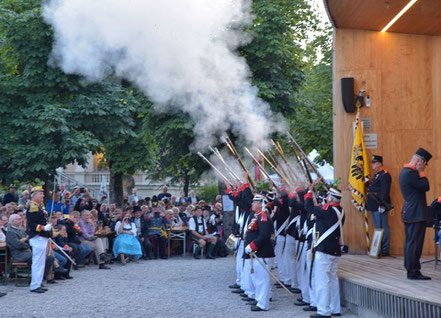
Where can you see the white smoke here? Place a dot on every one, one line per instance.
(180, 53)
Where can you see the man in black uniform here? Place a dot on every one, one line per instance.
(379, 201)
(39, 233)
(258, 245)
(414, 185)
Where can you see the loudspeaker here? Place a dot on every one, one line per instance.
(347, 93)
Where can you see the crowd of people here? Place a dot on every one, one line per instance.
(73, 230)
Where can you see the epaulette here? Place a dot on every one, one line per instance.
(34, 207)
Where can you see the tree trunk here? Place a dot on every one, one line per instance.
(186, 183)
(116, 188)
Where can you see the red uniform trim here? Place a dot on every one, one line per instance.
(253, 246)
(308, 195)
(299, 189)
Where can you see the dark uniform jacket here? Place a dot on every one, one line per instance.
(243, 198)
(36, 220)
(414, 186)
(258, 235)
(297, 208)
(379, 190)
(73, 231)
(325, 217)
(20, 251)
(282, 212)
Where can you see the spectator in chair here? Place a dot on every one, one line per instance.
(199, 234)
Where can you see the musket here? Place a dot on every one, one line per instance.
(273, 157)
(299, 160)
(229, 170)
(306, 160)
(259, 165)
(62, 251)
(233, 150)
(276, 170)
(282, 155)
(215, 169)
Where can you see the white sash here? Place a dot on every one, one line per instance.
(332, 228)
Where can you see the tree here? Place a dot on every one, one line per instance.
(312, 125)
(50, 119)
(174, 137)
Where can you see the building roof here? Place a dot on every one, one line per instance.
(424, 17)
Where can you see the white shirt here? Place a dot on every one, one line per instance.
(192, 225)
(133, 226)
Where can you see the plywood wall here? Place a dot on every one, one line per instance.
(402, 75)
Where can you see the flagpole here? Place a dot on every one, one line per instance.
(359, 174)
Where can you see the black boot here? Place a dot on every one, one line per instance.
(210, 249)
(197, 252)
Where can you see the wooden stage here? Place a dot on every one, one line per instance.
(379, 288)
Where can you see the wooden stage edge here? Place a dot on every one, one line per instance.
(379, 287)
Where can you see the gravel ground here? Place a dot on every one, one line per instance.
(181, 287)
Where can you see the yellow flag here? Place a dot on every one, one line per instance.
(359, 170)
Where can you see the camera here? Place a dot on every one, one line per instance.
(344, 249)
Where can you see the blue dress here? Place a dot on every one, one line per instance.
(126, 243)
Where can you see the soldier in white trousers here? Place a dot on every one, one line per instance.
(39, 233)
(327, 246)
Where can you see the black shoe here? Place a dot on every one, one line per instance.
(197, 256)
(256, 308)
(67, 277)
(252, 302)
(237, 291)
(337, 314)
(299, 299)
(102, 266)
(384, 254)
(301, 303)
(242, 294)
(43, 289)
(59, 278)
(319, 316)
(51, 281)
(234, 286)
(38, 290)
(418, 276)
(210, 257)
(247, 299)
(163, 257)
(310, 308)
(2, 294)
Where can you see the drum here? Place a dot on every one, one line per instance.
(231, 242)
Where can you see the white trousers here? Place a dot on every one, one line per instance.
(262, 282)
(39, 248)
(289, 257)
(327, 290)
(303, 273)
(247, 282)
(312, 298)
(239, 262)
(281, 264)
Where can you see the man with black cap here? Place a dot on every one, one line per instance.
(414, 185)
(378, 201)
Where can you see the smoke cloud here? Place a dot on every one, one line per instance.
(180, 53)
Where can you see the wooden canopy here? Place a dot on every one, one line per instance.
(424, 17)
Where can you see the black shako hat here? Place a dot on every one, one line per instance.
(423, 154)
(376, 158)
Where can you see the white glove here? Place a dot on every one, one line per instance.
(248, 249)
(47, 227)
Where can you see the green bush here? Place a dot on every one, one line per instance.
(208, 193)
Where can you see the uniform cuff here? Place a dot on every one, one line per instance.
(439, 199)
(39, 227)
(253, 246)
(66, 247)
(422, 174)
